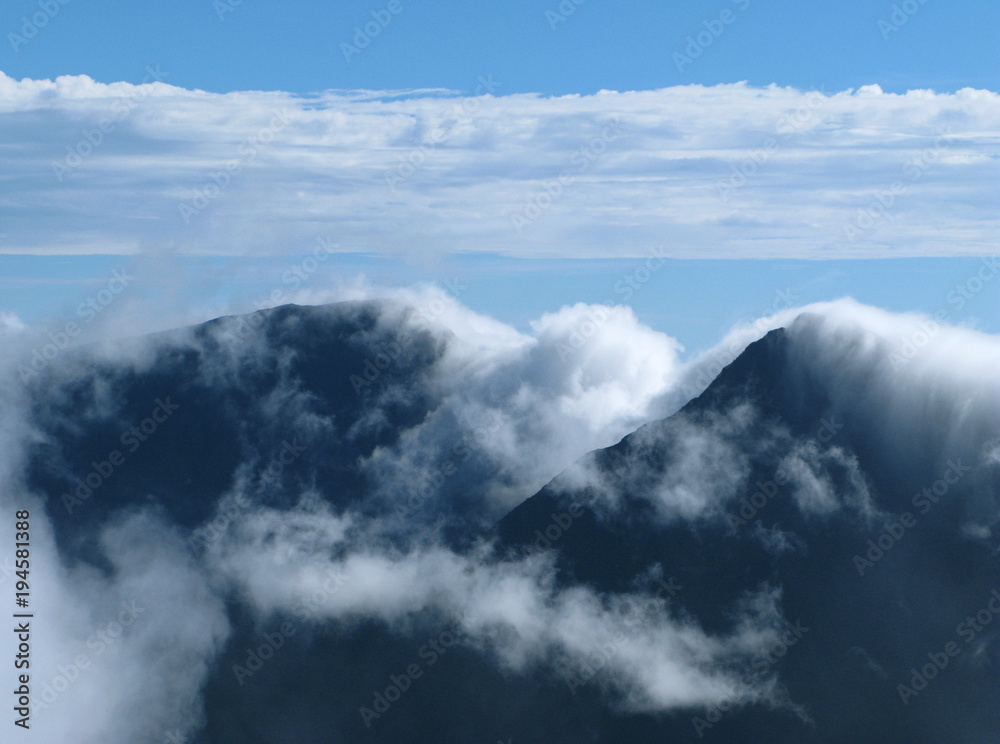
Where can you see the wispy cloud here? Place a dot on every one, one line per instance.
(550, 407)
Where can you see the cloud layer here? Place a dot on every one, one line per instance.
(729, 170)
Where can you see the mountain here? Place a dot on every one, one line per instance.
(307, 503)
(877, 568)
(294, 395)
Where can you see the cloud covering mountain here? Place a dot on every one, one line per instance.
(257, 528)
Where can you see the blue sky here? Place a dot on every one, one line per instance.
(485, 149)
(695, 301)
(295, 45)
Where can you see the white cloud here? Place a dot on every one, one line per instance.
(10, 324)
(656, 660)
(106, 646)
(728, 170)
(815, 492)
(688, 467)
(586, 377)
(915, 412)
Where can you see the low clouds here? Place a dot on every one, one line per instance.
(695, 171)
(508, 411)
(922, 392)
(686, 468)
(121, 651)
(512, 610)
(824, 481)
(584, 378)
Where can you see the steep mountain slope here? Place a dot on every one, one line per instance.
(879, 569)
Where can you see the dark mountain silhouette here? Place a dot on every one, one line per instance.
(871, 619)
(241, 389)
(647, 511)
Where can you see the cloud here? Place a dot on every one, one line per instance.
(140, 635)
(584, 377)
(921, 391)
(914, 395)
(729, 170)
(529, 404)
(10, 324)
(912, 392)
(686, 468)
(513, 610)
(823, 481)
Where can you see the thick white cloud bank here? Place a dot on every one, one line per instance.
(728, 170)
